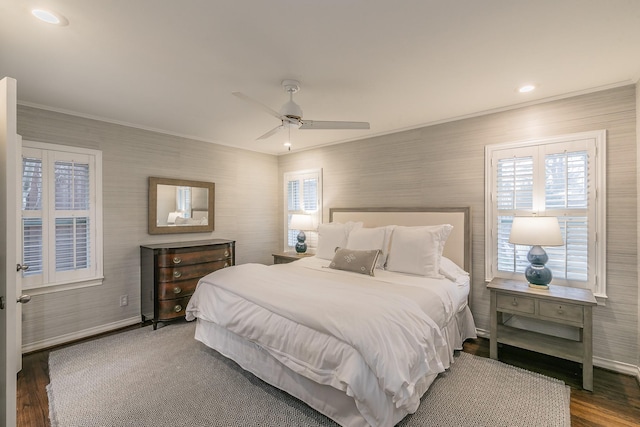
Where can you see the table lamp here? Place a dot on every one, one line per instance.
(301, 222)
(536, 231)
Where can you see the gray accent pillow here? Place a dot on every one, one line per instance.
(358, 261)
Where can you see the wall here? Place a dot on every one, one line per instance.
(245, 210)
(443, 165)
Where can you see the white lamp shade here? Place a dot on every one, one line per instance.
(301, 222)
(536, 231)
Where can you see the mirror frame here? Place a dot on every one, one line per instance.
(153, 206)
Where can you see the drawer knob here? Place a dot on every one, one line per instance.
(514, 302)
(226, 253)
(560, 309)
(177, 274)
(177, 290)
(177, 260)
(177, 308)
(226, 264)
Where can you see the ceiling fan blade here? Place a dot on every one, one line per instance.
(311, 124)
(259, 104)
(271, 132)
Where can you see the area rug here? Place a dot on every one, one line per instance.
(148, 378)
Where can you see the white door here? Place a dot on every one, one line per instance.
(9, 153)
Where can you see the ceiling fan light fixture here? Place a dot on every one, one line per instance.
(290, 114)
(291, 109)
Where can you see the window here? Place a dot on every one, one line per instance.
(302, 195)
(61, 216)
(562, 177)
(183, 200)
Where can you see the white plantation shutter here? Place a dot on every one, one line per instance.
(32, 215)
(60, 218)
(559, 177)
(72, 204)
(567, 194)
(302, 195)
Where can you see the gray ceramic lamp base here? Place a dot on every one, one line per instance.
(301, 246)
(537, 274)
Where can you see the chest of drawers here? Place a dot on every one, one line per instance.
(170, 272)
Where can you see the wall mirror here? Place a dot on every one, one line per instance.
(180, 206)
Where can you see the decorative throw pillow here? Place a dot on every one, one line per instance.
(363, 262)
(418, 250)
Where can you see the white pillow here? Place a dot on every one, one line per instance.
(332, 236)
(417, 250)
(372, 238)
(451, 270)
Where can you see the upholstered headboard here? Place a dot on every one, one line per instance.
(458, 246)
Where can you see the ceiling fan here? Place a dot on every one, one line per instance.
(291, 114)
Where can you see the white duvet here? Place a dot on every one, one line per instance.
(371, 337)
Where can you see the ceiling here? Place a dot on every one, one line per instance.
(171, 66)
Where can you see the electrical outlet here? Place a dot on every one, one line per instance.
(124, 300)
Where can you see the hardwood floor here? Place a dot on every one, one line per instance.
(615, 400)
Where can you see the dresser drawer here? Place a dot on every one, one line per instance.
(172, 308)
(173, 274)
(563, 312)
(170, 290)
(515, 304)
(187, 258)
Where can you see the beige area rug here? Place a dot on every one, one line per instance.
(167, 378)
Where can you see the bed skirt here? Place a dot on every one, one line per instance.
(325, 399)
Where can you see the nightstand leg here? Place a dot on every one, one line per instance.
(493, 343)
(587, 342)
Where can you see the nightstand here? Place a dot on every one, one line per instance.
(287, 257)
(558, 304)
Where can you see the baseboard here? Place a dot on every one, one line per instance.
(483, 333)
(620, 367)
(611, 365)
(85, 333)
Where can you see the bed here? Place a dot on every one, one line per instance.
(360, 330)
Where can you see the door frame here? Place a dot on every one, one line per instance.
(8, 261)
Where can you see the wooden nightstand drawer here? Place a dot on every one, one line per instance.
(514, 304)
(287, 257)
(563, 312)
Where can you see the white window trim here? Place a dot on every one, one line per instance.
(318, 214)
(97, 278)
(599, 287)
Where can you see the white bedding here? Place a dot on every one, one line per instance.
(374, 338)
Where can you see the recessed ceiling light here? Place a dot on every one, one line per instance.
(526, 88)
(50, 17)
